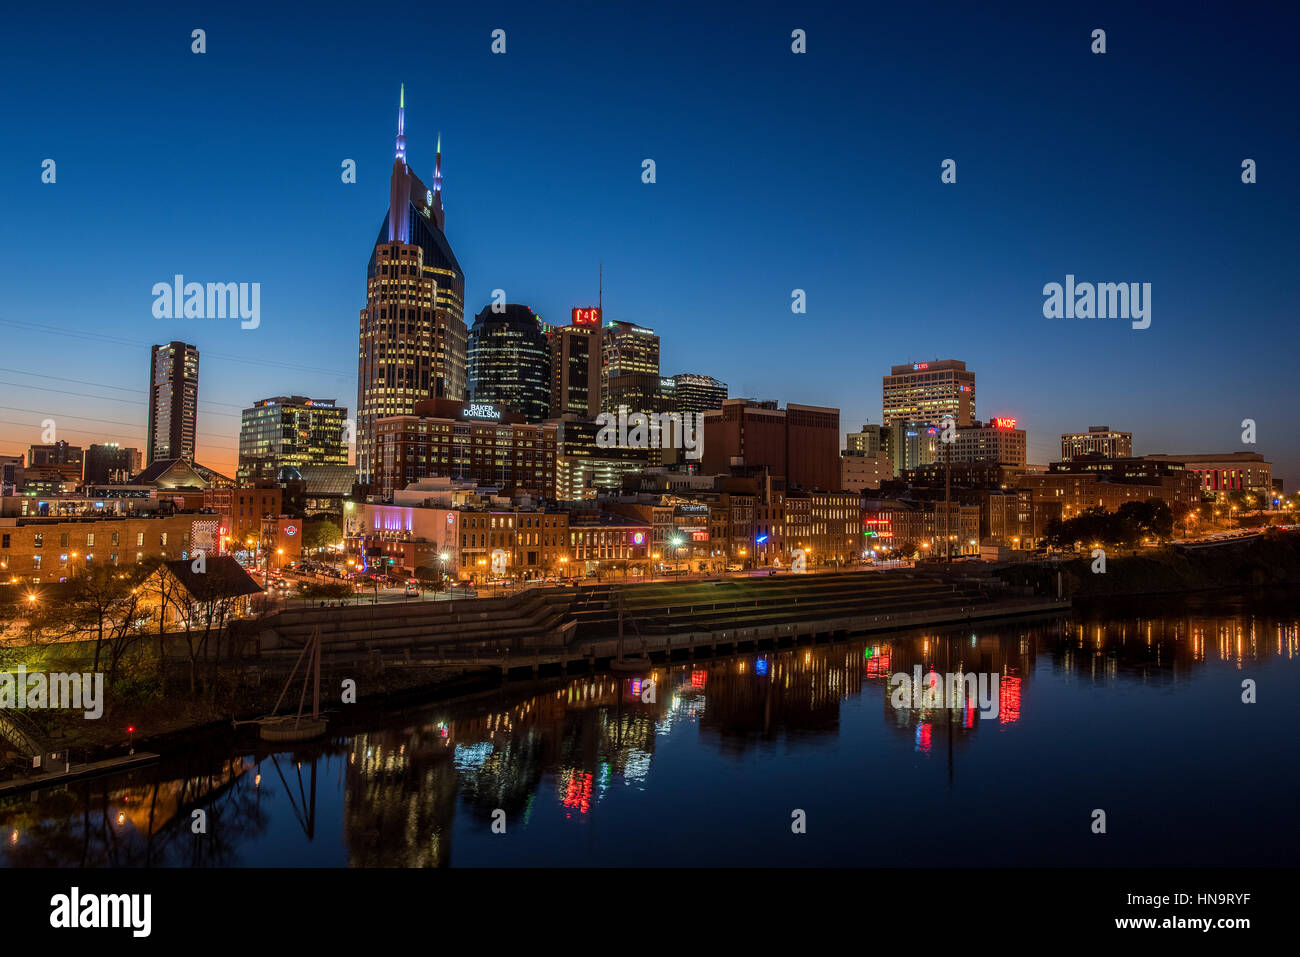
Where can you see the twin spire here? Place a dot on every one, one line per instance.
(401, 142)
(401, 127)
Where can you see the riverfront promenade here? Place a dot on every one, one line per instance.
(566, 627)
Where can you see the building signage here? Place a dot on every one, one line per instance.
(586, 317)
(481, 410)
(291, 530)
(1002, 422)
(920, 366)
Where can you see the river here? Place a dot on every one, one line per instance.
(793, 757)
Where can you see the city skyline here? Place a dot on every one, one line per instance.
(951, 271)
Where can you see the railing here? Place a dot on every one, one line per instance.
(22, 732)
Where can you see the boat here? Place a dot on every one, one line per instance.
(628, 663)
(299, 727)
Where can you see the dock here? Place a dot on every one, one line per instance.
(77, 772)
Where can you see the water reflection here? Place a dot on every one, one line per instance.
(632, 752)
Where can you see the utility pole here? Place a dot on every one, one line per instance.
(947, 497)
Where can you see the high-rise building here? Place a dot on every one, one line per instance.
(630, 369)
(413, 337)
(1099, 440)
(290, 431)
(911, 444)
(465, 440)
(868, 441)
(690, 392)
(173, 402)
(799, 444)
(997, 441)
(583, 467)
(927, 391)
(110, 464)
(509, 363)
(576, 354)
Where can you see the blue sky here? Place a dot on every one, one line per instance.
(775, 171)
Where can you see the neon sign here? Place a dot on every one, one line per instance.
(920, 366)
(1002, 422)
(586, 317)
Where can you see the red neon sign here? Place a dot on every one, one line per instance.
(586, 317)
(1001, 422)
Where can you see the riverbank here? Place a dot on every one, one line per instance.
(1270, 559)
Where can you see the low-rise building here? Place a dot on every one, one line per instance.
(50, 549)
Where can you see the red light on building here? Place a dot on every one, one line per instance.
(1002, 422)
(586, 317)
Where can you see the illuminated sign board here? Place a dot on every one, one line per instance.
(638, 538)
(1001, 422)
(878, 528)
(481, 410)
(920, 366)
(586, 317)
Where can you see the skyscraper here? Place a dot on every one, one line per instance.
(290, 431)
(630, 368)
(690, 392)
(413, 336)
(927, 391)
(509, 363)
(576, 363)
(173, 402)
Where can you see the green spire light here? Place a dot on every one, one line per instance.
(402, 102)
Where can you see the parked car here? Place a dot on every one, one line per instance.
(412, 588)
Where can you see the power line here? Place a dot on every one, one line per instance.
(103, 385)
(102, 398)
(101, 434)
(139, 344)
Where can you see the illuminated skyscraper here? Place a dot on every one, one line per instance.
(173, 402)
(509, 364)
(290, 431)
(630, 370)
(927, 391)
(576, 361)
(413, 342)
(691, 392)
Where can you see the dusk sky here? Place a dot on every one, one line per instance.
(775, 171)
